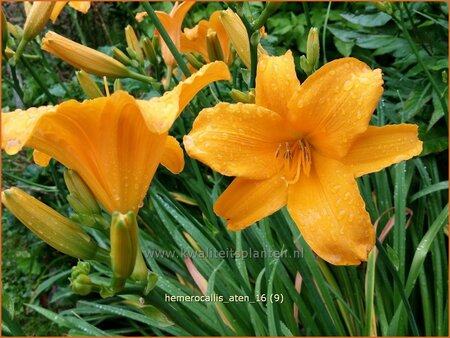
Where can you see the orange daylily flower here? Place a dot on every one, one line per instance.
(172, 23)
(303, 146)
(114, 143)
(194, 39)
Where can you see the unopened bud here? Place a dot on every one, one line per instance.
(133, 43)
(213, 47)
(15, 30)
(117, 85)
(80, 191)
(53, 228)
(82, 268)
(124, 246)
(121, 56)
(239, 96)
(79, 56)
(313, 47)
(88, 85)
(194, 60)
(4, 32)
(39, 15)
(149, 51)
(237, 33)
(81, 285)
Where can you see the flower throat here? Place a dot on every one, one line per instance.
(294, 158)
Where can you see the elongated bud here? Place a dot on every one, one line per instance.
(149, 51)
(27, 7)
(15, 31)
(310, 62)
(83, 57)
(80, 191)
(239, 96)
(213, 47)
(133, 43)
(124, 246)
(4, 31)
(313, 47)
(117, 85)
(39, 15)
(155, 43)
(195, 60)
(121, 56)
(238, 35)
(88, 85)
(53, 228)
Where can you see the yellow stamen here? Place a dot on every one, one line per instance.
(295, 159)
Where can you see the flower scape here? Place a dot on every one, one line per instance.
(292, 194)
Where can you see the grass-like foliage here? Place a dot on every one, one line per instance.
(264, 280)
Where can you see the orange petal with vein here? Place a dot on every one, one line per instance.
(330, 213)
(172, 157)
(246, 201)
(380, 147)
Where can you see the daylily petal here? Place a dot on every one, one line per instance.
(334, 105)
(41, 159)
(330, 213)
(379, 147)
(160, 112)
(276, 82)
(106, 141)
(246, 201)
(172, 24)
(80, 6)
(18, 125)
(59, 5)
(237, 140)
(172, 157)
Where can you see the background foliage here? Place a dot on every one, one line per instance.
(402, 290)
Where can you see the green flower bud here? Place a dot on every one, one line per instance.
(80, 197)
(39, 15)
(4, 32)
(81, 285)
(133, 44)
(124, 247)
(194, 60)
(239, 96)
(88, 85)
(53, 228)
(149, 51)
(213, 47)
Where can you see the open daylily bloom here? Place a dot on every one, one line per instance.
(80, 6)
(114, 143)
(172, 23)
(194, 39)
(303, 146)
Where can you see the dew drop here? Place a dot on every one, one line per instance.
(348, 85)
(13, 146)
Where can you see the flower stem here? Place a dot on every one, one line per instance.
(173, 49)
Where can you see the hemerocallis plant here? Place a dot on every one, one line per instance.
(303, 146)
(172, 23)
(195, 39)
(114, 143)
